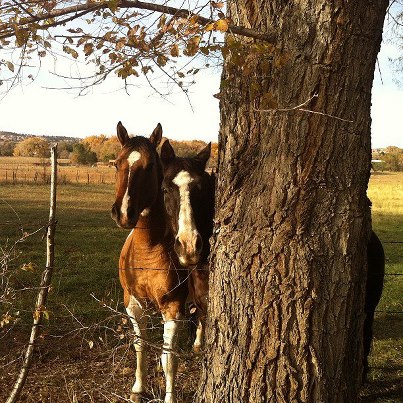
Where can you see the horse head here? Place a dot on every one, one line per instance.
(187, 189)
(139, 176)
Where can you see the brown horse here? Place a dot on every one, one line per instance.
(149, 269)
(189, 203)
(373, 292)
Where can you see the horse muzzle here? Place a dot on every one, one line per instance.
(189, 248)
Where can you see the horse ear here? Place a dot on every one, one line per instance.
(156, 135)
(204, 155)
(123, 136)
(167, 153)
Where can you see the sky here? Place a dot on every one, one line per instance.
(33, 109)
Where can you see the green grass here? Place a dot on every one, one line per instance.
(386, 358)
(88, 244)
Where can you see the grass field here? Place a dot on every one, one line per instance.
(84, 353)
(386, 359)
(30, 170)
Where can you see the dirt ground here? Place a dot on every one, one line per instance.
(66, 369)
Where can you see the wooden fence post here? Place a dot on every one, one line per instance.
(40, 307)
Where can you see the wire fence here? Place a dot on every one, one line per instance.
(67, 175)
(117, 325)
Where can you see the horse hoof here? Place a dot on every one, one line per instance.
(197, 349)
(139, 397)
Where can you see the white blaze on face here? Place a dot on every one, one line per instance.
(187, 226)
(131, 159)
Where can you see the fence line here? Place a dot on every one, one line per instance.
(67, 175)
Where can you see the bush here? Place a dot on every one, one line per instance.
(33, 147)
(83, 155)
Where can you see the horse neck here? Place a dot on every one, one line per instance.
(154, 225)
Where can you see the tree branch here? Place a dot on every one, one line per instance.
(177, 12)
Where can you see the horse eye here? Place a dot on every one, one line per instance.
(164, 190)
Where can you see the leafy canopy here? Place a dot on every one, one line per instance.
(126, 38)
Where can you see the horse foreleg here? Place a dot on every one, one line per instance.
(199, 335)
(368, 323)
(169, 360)
(139, 322)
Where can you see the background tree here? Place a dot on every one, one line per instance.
(33, 147)
(95, 143)
(7, 148)
(110, 149)
(64, 148)
(393, 157)
(82, 154)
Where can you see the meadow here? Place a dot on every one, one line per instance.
(30, 170)
(85, 352)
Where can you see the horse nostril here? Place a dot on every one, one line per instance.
(199, 244)
(114, 211)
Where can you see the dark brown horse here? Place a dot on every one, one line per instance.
(373, 291)
(149, 269)
(189, 203)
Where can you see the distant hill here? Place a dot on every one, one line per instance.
(11, 136)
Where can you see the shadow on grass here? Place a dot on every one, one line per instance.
(384, 390)
(388, 326)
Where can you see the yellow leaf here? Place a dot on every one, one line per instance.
(91, 344)
(28, 267)
(175, 50)
(88, 49)
(221, 25)
(162, 21)
(10, 66)
(194, 19)
(217, 4)
(162, 60)
(209, 27)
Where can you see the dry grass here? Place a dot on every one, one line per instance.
(37, 171)
(386, 193)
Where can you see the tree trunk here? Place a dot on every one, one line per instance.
(292, 223)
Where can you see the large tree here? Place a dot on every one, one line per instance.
(288, 262)
(292, 221)
(33, 147)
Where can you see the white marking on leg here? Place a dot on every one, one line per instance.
(199, 336)
(187, 231)
(135, 312)
(131, 159)
(169, 360)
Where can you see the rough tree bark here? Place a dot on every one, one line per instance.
(288, 262)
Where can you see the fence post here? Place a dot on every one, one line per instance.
(40, 307)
